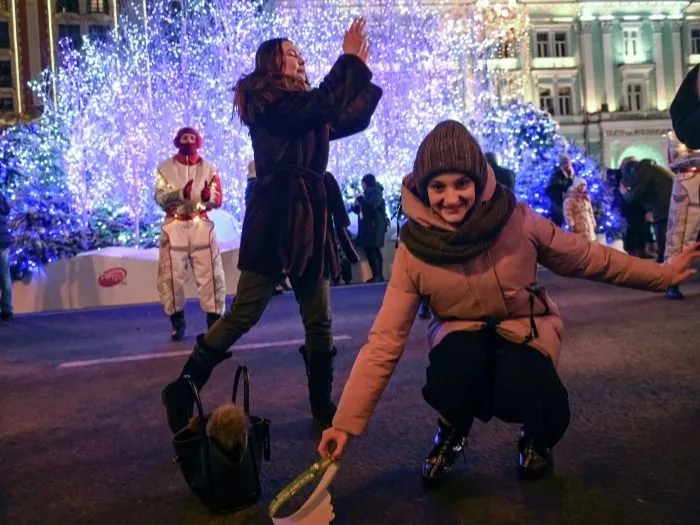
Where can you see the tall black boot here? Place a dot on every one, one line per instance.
(179, 325)
(177, 396)
(319, 371)
(211, 319)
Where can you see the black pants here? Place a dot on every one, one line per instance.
(253, 294)
(376, 262)
(481, 375)
(660, 234)
(638, 232)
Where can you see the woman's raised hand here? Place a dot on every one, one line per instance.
(355, 41)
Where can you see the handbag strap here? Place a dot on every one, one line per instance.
(242, 371)
(197, 400)
(325, 466)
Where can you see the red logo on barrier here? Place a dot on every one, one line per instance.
(112, 277)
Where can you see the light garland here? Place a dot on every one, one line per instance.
(119, 104)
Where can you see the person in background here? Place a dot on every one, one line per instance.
(187, 187)
(685, 110)
(684, 210)
(373, 225)
(637, 229)
(495, 337)
(503, 175)
(646, 184)
(6, 309)
(559, 182)
(578, 210)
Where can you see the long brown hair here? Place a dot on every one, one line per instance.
(255, 89)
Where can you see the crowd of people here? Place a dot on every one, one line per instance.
(468, 252)
(468, 255)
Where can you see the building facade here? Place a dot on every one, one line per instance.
(29, 33)
(608, 71)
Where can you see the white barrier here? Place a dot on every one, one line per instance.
(123, 276)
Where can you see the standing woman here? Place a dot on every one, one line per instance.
(373, 224)
(286, 225)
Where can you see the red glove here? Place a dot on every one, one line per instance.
(206, 192)
(187, 190)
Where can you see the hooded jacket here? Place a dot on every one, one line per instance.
(578, 210)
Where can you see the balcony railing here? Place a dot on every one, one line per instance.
(554, 62)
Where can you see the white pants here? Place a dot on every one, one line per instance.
(683, 215)
(185, 243)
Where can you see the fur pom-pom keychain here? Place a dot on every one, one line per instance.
(228, 426)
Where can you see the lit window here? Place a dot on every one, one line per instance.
(542, 45)
(630, 42)
(98, 6)
(546, 101)
(634, 94)
(561, 44)
(695, 42)
(564, 100)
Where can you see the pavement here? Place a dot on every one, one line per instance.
(83, 438)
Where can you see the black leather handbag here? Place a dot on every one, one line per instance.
(224, 481)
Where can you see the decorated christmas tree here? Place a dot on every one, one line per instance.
(43, 224)
(113, 106)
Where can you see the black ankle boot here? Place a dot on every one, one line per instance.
(532, 462)
(177, 396)
(211, 319)
(674, 293)
(448, 444)
(319, 371)
(179, 325)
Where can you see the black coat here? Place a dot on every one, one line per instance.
(285, 228)
(504, 176)
(559, 182)
(650, 187)
(685, 111)
(5, 234)
(249, 189)
(373, 223)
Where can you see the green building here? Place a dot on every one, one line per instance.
(608, 70)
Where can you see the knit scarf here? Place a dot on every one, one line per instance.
(475, 235)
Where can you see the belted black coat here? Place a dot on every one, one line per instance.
(286, 226)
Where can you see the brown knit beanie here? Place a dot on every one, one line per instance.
(449, 147)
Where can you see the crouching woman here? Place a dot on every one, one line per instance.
(495, 337)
